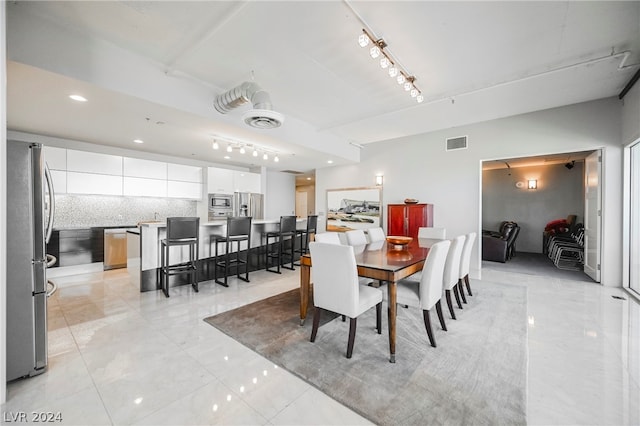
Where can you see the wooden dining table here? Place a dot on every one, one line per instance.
(379, 261)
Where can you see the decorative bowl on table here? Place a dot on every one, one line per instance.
(398, 242)
(410, 201)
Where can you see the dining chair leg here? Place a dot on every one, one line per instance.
(466, 281)
(461, 291)
(352, 336)
(440, 316)
(379, 317)
(455, 293)
(449, 304)
(316, 323)
(427, 325)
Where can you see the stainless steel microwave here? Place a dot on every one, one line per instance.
(220, 201)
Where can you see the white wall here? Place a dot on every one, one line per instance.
(419, 167)
(3, 204)
(631, 115)
(280, 198)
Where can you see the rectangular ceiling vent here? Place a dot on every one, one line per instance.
(459, 142)
(293, 172)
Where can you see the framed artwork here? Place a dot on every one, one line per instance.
(353, 208)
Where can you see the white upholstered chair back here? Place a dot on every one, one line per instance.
(452, 267)
(356, 237)
(335, 278)
(375, 234)
(431, 279)
(328, 237)
(466, 254)
(429, 232)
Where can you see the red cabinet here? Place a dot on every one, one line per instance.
(405, 219)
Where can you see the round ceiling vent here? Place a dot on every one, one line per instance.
(263, 118)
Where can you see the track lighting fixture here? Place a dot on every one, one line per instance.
(242, 148)
(378, 50)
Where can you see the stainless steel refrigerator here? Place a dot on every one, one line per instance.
(248, 204)
(29, 222)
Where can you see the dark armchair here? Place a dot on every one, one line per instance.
(499, 246)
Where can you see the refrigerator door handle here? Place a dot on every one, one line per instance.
(52, 203)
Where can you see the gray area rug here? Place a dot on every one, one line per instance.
(476, 375)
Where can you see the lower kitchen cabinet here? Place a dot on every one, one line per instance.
(77, 246)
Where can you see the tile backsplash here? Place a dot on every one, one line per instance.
(100, 210)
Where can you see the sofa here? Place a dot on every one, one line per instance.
(499, 246)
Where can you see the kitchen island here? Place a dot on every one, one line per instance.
(152, 233)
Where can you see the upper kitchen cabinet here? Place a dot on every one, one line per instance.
(182, 173)
(220, 181)
(56, 158)
(134, 167)
(90, 162)
(246, 182)
(93, 183)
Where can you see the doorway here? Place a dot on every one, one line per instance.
(535, 192)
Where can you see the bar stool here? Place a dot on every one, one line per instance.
(181, 231)
(238, 230)
(304, 234)
(287, 229)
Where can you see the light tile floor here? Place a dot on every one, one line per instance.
(118, 356)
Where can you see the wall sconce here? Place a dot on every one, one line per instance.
(379, 179)
(533, 184)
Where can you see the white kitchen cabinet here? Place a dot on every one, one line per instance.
(92, 183)
(182, 173)
(135, 167)
(90, 162)
(190, 190)
(59, 178)
(143, 187)
(246, 182)
(56, 158)
(220, 181)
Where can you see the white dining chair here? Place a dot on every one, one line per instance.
(465, 262)
(336, 288)
(451, 275)
(430, 232)
(356, 237)
(375, 234)
(426, 293)
(327, 237)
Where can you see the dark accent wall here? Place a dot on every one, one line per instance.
(560, 193)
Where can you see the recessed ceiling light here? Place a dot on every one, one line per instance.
(226, 157)
(78, 98)
(330, 161)
(138, 141)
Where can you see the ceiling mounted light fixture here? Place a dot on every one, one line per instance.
(387, 62)
(243, 147)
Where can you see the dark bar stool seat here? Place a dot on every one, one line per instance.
(305, 234)
(287, 230)
(181, 231)
(238, 230)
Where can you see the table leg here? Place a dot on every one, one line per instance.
(392, 311)
(305, 277)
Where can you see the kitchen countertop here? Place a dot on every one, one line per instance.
(221, 222)
(71, 228)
